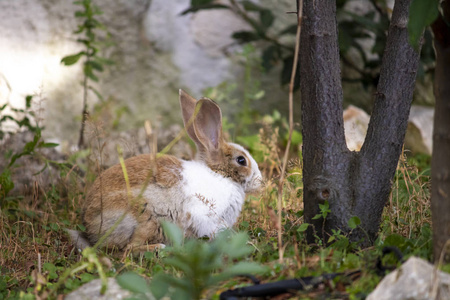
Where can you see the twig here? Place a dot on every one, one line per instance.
(291, 125)
(435, 287)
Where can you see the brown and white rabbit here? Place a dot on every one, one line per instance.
(203, 196)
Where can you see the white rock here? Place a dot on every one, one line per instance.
(414, 280)
(91, 291)
(356, 122)
(419, 136)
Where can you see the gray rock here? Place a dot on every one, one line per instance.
(419, 136)
(91, 291)
(155, 49)
(416, 279)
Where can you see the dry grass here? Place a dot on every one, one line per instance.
(31, 228)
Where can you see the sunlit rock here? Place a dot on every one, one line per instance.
(419, 136)
(356, 122)
(91, 291)
(416, 279)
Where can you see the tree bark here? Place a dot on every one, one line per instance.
(353, 183)
(440, 162)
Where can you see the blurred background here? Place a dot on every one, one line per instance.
(238, 53)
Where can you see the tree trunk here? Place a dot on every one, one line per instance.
(353, 183)
(440, 162)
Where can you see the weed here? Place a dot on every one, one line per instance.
(37, 261)
(30, 148)
(195, 266)
(88, 29)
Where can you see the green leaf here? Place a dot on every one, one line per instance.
(86, 277)
(95, 65)
(201, 7)
(270, 56)
(72, 59)
(251, 6)
(354, 222)
(291, 29)
(6, 183)
(28, 100)
(49, 267)
(200, 2)
(89, 72)
(48, 145)
(316, 217)
(236, 247)
(133, 282)
(246, 36)
(159, 285)
(421, 14)
(266, 17)
(303, 227)
(173, 233)
(394, 240)
(80, 14)
(245, 268)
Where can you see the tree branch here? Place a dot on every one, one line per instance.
(394, 94)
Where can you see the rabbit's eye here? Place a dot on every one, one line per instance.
(241, 160)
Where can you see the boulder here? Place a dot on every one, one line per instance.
(416, 279)
(356, 122)
(91, 291)
(419, 136)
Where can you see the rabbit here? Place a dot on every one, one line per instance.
(202, 196)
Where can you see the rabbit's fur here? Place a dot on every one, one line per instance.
(202, 196)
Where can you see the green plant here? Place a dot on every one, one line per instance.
(6, 182)
(362, 59)
(25, 121)
(243, 122)
(198, 265)
(92, 61)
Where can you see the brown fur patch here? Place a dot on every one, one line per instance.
(227, 166)
(109, 189)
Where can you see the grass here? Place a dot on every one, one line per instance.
(36, 255)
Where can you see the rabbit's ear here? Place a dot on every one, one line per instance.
(188, 109)
(208, 125)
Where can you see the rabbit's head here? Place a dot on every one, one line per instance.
(203, 122)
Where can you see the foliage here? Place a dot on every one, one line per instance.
(362, 36)
(251, 94)
(87, 29)
(93, 63)
(24, 122)
(6, 182)
(201, 264)
(422, 14)
(38, 262)
(198, 268)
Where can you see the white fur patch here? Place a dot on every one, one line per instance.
(213, 202)
(254, 182)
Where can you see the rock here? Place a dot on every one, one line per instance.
(416, 279)
(91, 291)
(419, 136)
(155, 49)
(356, 122)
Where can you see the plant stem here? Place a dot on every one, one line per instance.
(84, 113)
(291, 126)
